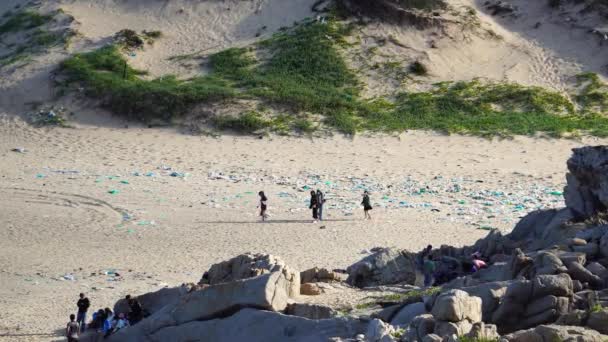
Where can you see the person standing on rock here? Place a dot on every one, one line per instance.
(263, 205)
(136, 312)
(428, 269)
(367, 206)
(314, 205)
(83, 306)
(321, 201)
(72, 330)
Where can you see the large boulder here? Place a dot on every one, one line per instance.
(456, 306)
(547, 333)
(586, 192)
(257, 326)
(543, 228)
(598, 320)
(310, 311)
(447, 329)
(252, 265)
(317, 275)
(154, 301)
(378, 331)
(384, 267)
(558, 285)
(490, 294)
(421, 326)
(408, 313)
(548, 263)
(267, 292)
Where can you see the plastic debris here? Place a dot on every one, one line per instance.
(18, 150)
(113, 192)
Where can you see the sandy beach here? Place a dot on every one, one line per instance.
(64, 230)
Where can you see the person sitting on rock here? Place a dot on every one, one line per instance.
(120, 323)
(136, 312)
(478, 263)
(98, 319)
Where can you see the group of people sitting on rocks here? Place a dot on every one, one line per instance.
(442, 270)
(103, 321)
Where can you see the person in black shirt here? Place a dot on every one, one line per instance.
(83, 306)
(367, 206)
(314, 205)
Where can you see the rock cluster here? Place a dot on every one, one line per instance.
(545, 281)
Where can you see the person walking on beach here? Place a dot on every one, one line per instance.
(83, 306)
(367, 206)
(320, 202)
(72, 330)
(314, 205)
(263, 205)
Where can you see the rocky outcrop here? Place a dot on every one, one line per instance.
(310, 311)
(251, 265)
(586, 192)
(154, 301)
(266, 292)
(386, 266)
(555, 333)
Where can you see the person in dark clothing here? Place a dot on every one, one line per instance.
(72, 330)
(422, 255)
(367, 206)
(136, 313)
(83, 306)
(263, 205)
(314, 205)
(320, 202)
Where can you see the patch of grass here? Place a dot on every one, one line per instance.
(304, 72)
(486, 109)
(247, 122)
(593, 94)
(397, 334)
(596, 308)
(36, 40)
(106, 75)
(417, 68)
(23, 20)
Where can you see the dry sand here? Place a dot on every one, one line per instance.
(59, 223)
(57, 218)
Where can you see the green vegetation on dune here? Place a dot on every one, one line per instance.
(23, 20)
(302, 71)
(35, 38)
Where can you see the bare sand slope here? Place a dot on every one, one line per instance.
(59, 219)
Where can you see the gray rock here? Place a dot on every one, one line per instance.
(576, 317)
(310, 311)
(604, 245)
(251, 265)
(547, 333)
(586, 192)
(490, 294)
(256, 326)
(432, 338)
(421, 326)
(568, 257)
(548, 263)
(378, 331)
(598, 320)
(444, 329)
(267, 292)
(559, 285)
(408, 313)
(154, 301)
(578, 272)
(591, 249)
(597, 269)
(482, 331)
(319, 275)
(545, 303)
(457, 305)
(387, 266)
